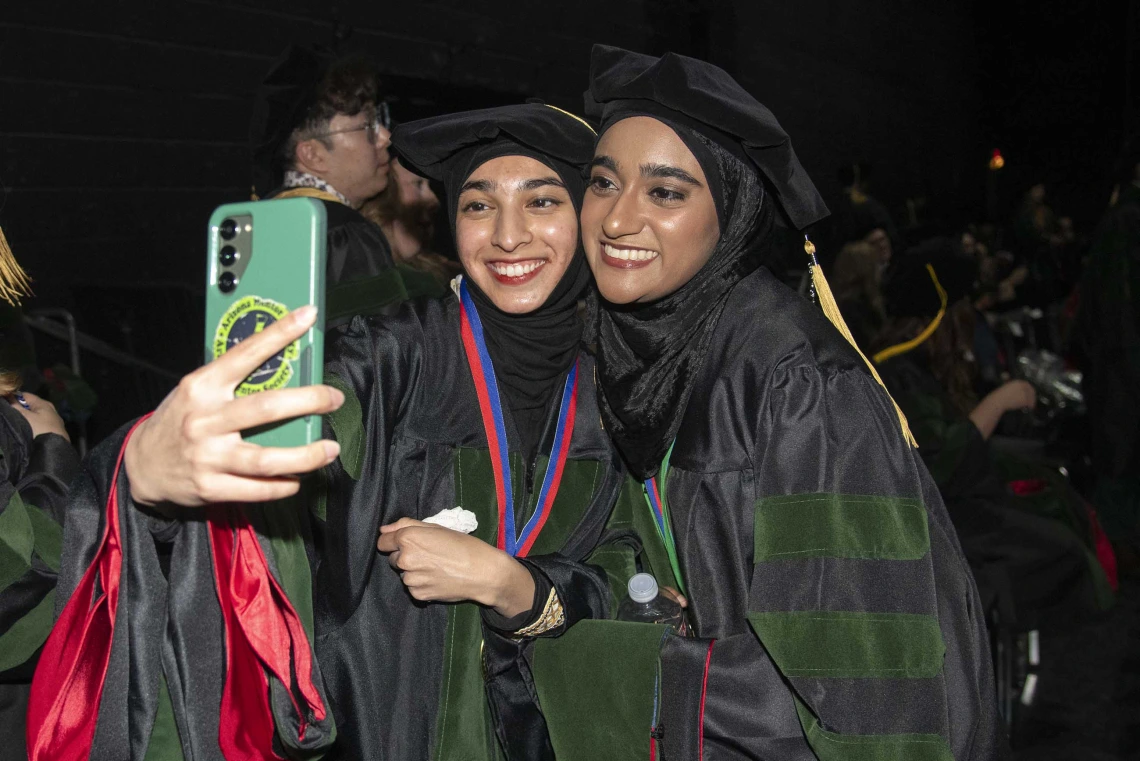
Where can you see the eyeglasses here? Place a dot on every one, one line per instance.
(381, 119)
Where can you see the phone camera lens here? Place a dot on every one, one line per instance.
(227, 282)
(228, 255)
(228, 229)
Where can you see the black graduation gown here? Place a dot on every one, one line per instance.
(166, 670)
(34, 477)
(834, 615)
(407, 678)
(1107, 341)
(412, 444)
(360, 274)
(1032, 554)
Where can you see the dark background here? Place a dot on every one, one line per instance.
(123, 124)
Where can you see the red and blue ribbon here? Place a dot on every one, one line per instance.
(491, 409)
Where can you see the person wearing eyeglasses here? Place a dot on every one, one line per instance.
(320, 130)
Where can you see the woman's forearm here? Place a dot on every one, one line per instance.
(987, 414)
(514, 588)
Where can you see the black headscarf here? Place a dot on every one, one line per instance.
(531, 352)
(649, 355)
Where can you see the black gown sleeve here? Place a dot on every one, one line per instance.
(37, 473)
(377, 372)
(167, 665)
(860, 594)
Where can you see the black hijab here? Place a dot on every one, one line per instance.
(531, 352)
(649, 355)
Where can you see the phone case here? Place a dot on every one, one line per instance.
(270, 256)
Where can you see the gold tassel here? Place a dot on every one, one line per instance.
(927, 332)
(831, 310)
(14, 282)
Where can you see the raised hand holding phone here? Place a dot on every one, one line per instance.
(191, 451)
(244, 426)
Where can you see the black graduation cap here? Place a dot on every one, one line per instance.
(448, 148)
(284, 98)
(429, 147)
(928, 278)
(704, 97)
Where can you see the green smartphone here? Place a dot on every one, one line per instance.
(265, 259)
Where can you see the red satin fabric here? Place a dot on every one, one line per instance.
(1105, 555)
(262, 631)
(68, 685)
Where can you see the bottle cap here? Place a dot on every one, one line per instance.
(642, 588)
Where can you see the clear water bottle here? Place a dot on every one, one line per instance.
(647, 605)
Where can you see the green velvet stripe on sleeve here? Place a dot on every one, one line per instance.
(48, 537)
(17, 538)
(348, 427)
(26, 635)
(840, 526)
(852, 645)
(364, 296)
(832, 746)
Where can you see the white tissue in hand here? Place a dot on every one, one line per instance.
(456, 519)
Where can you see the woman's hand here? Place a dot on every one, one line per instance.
(40, 414)
(442, 565)
(675, 596)
(190, 452)
(1008, 397)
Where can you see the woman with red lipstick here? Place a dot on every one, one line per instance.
(833, 613)
(482, 401)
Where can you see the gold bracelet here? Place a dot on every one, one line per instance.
(552, 617)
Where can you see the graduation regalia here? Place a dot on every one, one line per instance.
(1107, 340)
(415, 680)
(833, 612)
(183, 636)
(35, 472)
(1029, 537)
(34, 478)
(361, 277)
(278, 628)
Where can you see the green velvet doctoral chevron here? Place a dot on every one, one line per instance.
(852, 645)
(348, 427)
(27, 634)
(364, 296)
(832, 746)
(419, 283)
(17, 539)
(840, 526)
(48, 537)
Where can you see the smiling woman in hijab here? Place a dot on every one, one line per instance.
(476, 410)
(834, 615)
(482, 400)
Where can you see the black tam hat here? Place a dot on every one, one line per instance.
(928, 280)
(678, 89)
(280, 106)
(448, 148)
(932, 276)
(531, 352)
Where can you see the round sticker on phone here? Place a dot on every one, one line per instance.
(247, 317)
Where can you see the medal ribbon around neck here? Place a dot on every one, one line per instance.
(491, 409)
